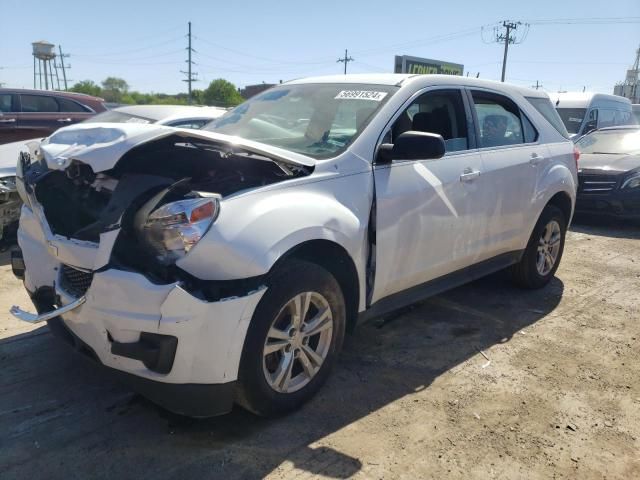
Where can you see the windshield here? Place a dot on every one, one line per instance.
(572, 118)
(318, 120)
(113, 116)
(611, 141)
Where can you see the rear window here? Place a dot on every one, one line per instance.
(546, 109)
(71, 106)
(38, 104)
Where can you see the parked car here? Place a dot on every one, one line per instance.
(26, 114)
(582, 112)
(172, 115)
(609, 175)
(178, 116)
(224, 265)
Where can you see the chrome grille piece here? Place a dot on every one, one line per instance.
(596, 184)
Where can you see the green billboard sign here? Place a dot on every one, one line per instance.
(416, 65)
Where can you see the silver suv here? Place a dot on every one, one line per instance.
(225, 265)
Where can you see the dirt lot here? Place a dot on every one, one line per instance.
(412, 397)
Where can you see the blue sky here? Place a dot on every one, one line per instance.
(251, 42)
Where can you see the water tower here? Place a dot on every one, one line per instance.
(44, 56)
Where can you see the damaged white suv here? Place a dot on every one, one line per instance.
(224, 265)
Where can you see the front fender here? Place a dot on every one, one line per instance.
(253, 231)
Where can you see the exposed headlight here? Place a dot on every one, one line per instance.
(632, 182)
(24, 161)
(174, 228)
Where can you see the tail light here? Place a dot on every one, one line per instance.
(173, 229)
(576, 155)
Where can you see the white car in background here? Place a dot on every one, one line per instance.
(220, 266)
(177, 116)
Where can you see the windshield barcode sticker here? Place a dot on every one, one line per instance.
(360, 95)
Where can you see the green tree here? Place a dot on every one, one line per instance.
(114, 88)
(222, 93)
(87, 86)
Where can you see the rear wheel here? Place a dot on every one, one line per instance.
(544, 250)
(294, 337)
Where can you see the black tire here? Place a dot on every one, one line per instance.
(253, 391)
(525, 273)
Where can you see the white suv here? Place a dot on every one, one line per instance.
(220, 266)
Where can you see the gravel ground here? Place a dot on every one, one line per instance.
(486, 381)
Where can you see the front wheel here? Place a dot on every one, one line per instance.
(542, 256)
(293, 339)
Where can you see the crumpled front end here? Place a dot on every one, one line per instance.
(83, 235)
(9, 206)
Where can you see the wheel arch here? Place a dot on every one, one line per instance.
(336, 260)
(562, 200)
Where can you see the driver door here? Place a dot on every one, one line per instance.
(428, 211)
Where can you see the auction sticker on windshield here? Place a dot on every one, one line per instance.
(360, 95)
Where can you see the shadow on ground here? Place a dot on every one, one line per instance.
(62, 415)
(606, 226)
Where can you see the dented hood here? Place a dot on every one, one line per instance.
(609, 161)
(102, 145)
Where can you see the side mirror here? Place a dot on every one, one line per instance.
(411, 145)
(590, 126)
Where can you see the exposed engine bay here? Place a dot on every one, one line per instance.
(172, 174)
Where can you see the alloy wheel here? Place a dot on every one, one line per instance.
(297, 342)
(548, 247)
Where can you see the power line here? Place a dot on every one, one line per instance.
(509, 37)
(191, 77)
(345, 60)
(129, 51)
(265, 59)
(586, 21)
(420, 42)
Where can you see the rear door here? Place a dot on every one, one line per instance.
(72, 111)
(511, 159)
(8, 118)
(428, 211)
(39, 116)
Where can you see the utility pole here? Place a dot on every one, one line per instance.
(63, 66)
(537, 86)
(345, 60)
(508, 37)
(191, 77)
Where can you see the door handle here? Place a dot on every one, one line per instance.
(7, 120)
(64, 120)
(469, 175)
(535, 159)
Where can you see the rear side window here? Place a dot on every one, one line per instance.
(529, 131)
(38, 103)
(5, 103)
(498, 119)
(625, 118)
(546, 109)
(70, 106)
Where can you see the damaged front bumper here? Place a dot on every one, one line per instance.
(180, 351)
(9, 206)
